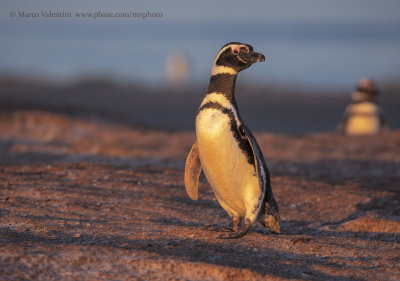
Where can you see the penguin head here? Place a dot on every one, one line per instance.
(366, 91)
(234, 57)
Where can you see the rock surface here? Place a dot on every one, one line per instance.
(84, 200)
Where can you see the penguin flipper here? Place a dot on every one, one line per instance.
(261, 168)
(192, 172)
(267, 206)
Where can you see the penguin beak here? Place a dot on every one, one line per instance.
(255, 57)
(251, 57)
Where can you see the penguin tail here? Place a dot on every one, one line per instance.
(273, 223)
(270, 217)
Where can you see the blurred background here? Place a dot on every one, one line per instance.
(152, 72)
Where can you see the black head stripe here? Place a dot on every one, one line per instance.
(228, 59)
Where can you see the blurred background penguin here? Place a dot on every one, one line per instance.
(363, 116)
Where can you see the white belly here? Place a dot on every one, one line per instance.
(362, 126)
(364, 119)
(231, 177)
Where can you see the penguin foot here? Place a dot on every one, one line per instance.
(238, 233)
(234, 225)
(218, 229)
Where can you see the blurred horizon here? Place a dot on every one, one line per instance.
(312, 43)
(274, 108)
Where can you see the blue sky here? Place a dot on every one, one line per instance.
(310, 42)
(285, 10)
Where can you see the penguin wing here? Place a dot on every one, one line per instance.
(261, 168)
(267, 203)
(192, 172)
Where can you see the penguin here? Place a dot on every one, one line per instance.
(227, 152)
(363, 116)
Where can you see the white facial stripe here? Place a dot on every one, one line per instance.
(219, 69)
(222, 100)
(220, 52)
(241, 59)
(227, 47)
(218, 98)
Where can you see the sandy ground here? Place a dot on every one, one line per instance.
(84, 200)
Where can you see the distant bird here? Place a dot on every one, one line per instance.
(363, 116)
(227, 151)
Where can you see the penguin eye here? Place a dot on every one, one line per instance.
(235, 51)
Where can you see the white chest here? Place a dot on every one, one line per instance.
(231, 177)
(364, 119)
